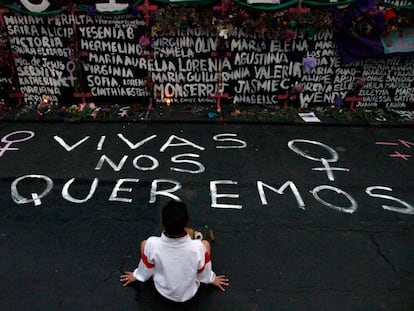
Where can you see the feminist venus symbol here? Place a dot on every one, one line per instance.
(325, 162)
(71, 67)
(8, 142)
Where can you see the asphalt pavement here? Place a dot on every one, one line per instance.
(304, 217)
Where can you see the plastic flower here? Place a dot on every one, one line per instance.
(95, 112)
(134, 11)
(154, 31)
(393, 28)
(106, 110)
(339, 102)
(223, 31)
(298, 88)
(73, 109)
(389, 14)
(308, 63)
(379, 23)
(81, 107)
(91, 10)
(148, 83)
(63, 111)
(17, 7)
(144, 41)
(365, 5)
(43, 108)
(360, 82)
(289, 35)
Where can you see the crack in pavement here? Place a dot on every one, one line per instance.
(120, 269)
(379, 251)
(105, 279)
(301, 289)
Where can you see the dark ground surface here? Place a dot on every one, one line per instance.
(58, 254)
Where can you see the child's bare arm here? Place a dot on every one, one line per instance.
(127, 278)
(221, 281)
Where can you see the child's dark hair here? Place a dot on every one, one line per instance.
(175, 217)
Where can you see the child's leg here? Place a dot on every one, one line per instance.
(143, 246)
(207, 246)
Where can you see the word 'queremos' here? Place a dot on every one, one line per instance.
(189, 163)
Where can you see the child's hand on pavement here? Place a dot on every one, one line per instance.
(127, 278)
(221, 281)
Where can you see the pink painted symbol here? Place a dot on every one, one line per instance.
(406, 143)
(353, 100)
(83, 96)
(222, 8)
(299, 9)
(17, 95)
(146, 8)
(386, 143)
(2, 11)
(397, 154)
(8, 142)
(285, 98)
(218, 96)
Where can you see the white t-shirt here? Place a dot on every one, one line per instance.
(177, 266)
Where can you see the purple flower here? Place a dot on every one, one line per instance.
(365, 5)
(339, 102)
(135, 12)
(91, 10)
(105, 110)
(379, 25)
(309, 63)
(16, 6)
(63, 111)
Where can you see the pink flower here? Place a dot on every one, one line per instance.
(95, 113)
(81, 107)
(144, 41)
(298, 88)
(360, 82)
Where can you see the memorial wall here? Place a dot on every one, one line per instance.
(358, 54)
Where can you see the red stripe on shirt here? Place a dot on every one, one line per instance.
(146, 262)
(206, 261)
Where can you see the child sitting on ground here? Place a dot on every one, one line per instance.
(176, 263)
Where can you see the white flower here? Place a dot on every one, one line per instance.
(223, 32)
